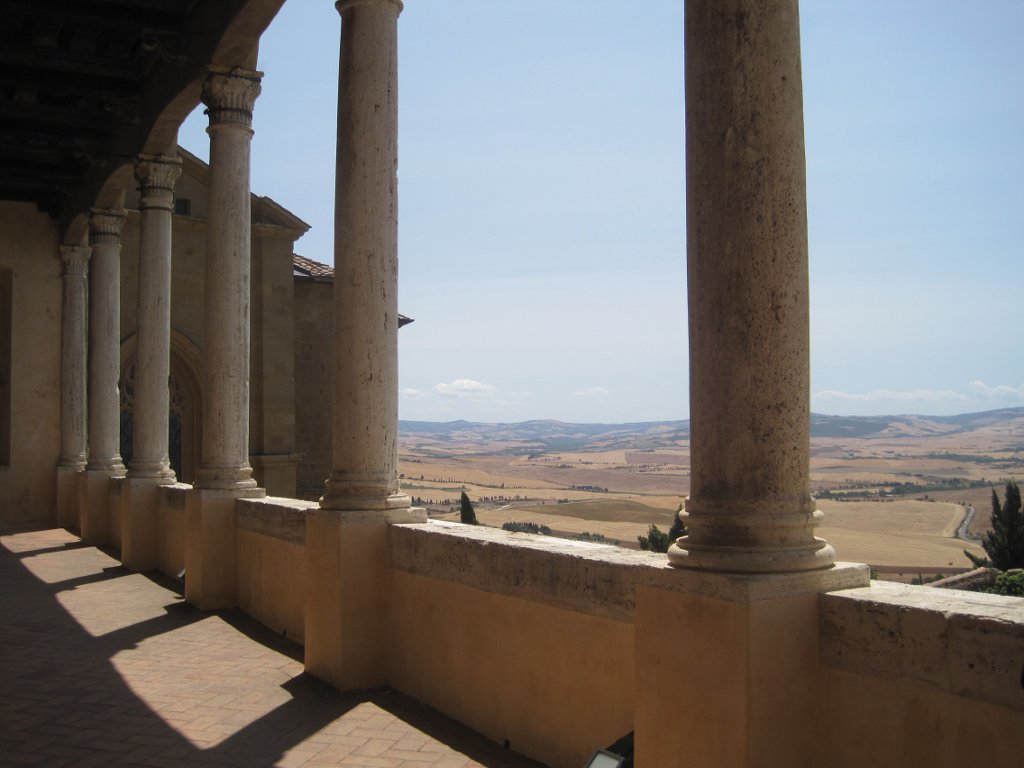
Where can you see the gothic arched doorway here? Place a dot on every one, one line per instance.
(184, 418)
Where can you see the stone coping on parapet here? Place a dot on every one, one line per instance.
(596, 579)
(964, 643)
(279, 518)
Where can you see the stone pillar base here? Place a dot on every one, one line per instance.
(140, 523)
(727, 667)
(348, 595)
(95, 507)
(210, 546)
(67, 498)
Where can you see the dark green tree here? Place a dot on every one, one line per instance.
(466, 512)
(656, 540)
(1004, 544)
(678, 526)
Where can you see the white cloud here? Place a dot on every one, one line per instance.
(592, 392)
(410, 392)
(998, 392)
(463, 388)
(908, 396)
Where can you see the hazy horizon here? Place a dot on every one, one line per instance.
(542, 201)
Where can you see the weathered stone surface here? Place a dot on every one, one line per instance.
(963, 643)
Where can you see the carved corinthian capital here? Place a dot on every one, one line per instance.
(156, 175)
(75, 259)
(105, 226)
(229, 96)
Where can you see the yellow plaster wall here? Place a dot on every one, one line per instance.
(557, 684)
(272, 582)
(171, 511)
(872, 721)
(29, 248)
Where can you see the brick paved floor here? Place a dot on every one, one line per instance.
(103, 667)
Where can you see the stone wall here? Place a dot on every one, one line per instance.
(313, 337)
(29, 250)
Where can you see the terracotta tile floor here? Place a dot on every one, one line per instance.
(103, 667)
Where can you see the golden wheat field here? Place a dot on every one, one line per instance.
(619, 492)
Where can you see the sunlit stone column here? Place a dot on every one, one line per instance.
(364, 472)
(104, 368)
(229, 95)
(225, 474)
(73, 436)
(156, 176)
(346, 630)
(749, 508)
(105, 341)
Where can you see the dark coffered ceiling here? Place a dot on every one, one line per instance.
(85, 85)
(72, 74)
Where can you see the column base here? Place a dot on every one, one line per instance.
(96, 505)
(727, 667)
(348, 595)
(210, 546)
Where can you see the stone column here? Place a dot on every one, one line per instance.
(156, 176)
(73, 438)
(347, 554)
(104, 370)
(229, 96)
(744, 601)
(149, 467)
(224, 473)
(364, 472)
(749, 508)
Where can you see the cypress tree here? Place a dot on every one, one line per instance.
(1004, 544)
(466, 512)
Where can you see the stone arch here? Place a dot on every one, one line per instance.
(185, 418)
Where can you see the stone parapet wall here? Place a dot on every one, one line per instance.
(968, 644)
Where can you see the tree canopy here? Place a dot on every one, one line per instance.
(1004, 544)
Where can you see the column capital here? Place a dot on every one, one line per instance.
(75, 259)
(229, 96)
(344, 5)
(105, 225)
(156, 175)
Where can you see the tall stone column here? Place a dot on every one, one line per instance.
(347, 554)
(224, 474)
(73, 436)
(750, 508)
(104, 369)
(744, 598)
(156, 176)
(364, 472)
(229, 96)
(149, 467)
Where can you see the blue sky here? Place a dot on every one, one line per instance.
(542, 201)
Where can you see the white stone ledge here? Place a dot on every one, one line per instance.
(965, 643)
(596, 579)
(175, 495)
(279, 518)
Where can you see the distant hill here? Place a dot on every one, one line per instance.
(551, 435)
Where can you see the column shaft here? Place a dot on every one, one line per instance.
(105, 341)
(229, 96)
(74, 321)
(364, 471)
(156, 175)
(749, 508)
